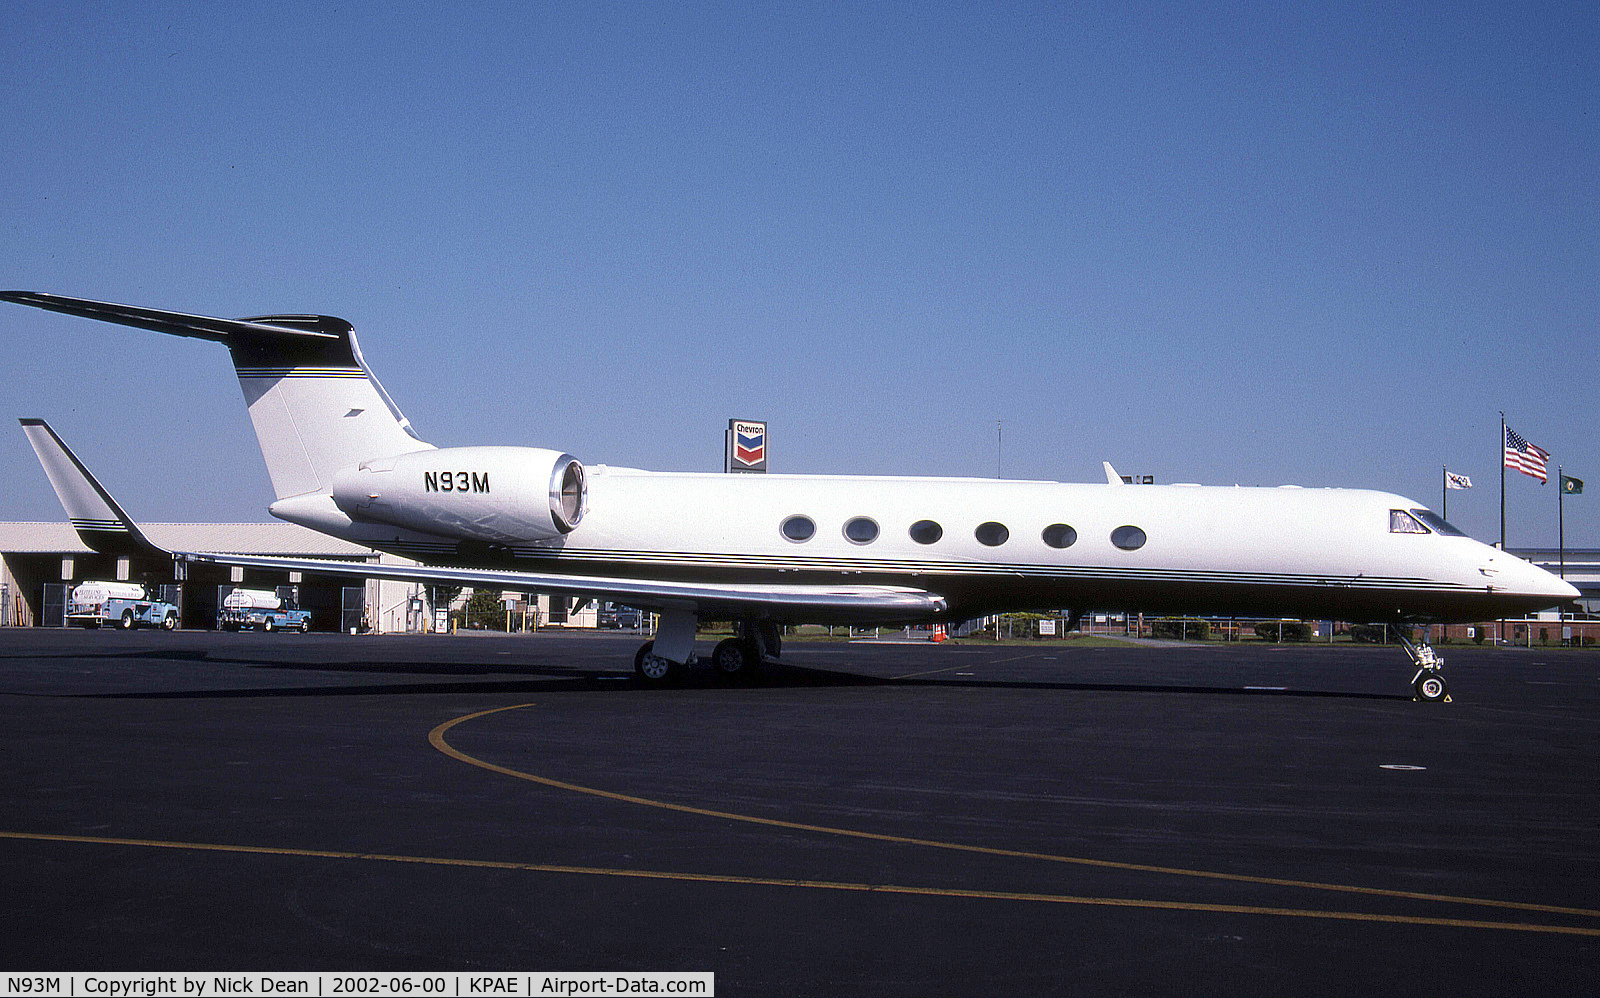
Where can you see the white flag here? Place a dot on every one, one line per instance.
(1455, 481)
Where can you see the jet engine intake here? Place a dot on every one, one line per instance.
(502, 495)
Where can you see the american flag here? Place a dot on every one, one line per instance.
(1525, 457)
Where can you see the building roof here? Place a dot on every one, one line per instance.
(228, 538)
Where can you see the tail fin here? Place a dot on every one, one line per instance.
(316, 407)
(94, 514)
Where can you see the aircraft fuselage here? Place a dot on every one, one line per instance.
(987, 545)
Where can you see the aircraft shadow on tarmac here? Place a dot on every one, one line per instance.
(552, 680)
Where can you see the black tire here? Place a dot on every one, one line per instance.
(736, 658)
(653, 670)
(170, 623)
(127, 622)
(268, 625)
(1430, 687)
(305, 626)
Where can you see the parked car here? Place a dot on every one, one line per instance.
(613, 617)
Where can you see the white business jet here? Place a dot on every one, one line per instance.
(767, 550)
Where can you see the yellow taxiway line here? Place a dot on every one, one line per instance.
(717, 878)
(437, 738)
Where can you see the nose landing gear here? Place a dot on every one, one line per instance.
(1428, 684)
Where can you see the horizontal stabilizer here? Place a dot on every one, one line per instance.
(177, 323)
(100, 522)
(783, 603)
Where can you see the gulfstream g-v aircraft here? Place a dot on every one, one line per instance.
(774, 549)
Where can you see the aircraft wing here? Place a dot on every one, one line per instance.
(784, 603)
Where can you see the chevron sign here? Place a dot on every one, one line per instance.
(747, 445)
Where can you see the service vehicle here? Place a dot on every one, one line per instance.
(119, 604)
(244, 609)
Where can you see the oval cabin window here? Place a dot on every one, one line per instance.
(926, 531)
(992, 534)
(1059, 535)
(798, 528)
(861, 530)
(1128, 538)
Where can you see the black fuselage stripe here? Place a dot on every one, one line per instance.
(594, 561)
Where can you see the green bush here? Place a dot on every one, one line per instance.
(1367, 633)
(1290, 630)
(484, 611)
(1180, 629)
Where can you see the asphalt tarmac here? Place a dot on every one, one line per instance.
(865, 819)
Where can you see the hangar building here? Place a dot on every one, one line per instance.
(40, 562)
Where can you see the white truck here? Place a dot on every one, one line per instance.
(119, 604)
(243, 609)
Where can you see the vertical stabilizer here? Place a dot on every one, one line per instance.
(316, 407)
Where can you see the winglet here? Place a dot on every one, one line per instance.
(100, 522)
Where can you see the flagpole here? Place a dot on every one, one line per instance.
(1444, 491)
(1561, 517)
(1502, 480)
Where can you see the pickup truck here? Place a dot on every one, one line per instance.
(119, 604)
(244, 609)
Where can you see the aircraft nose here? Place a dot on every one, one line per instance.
(1532, 580)
(1564, 589)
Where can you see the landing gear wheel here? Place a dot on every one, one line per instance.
(269, 625)
(1431, 687)
(305, 627)
(126, 623)
(736, 658)
(653, 669)
(170, 623)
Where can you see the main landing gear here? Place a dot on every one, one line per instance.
(1428, 684)
(667, 659)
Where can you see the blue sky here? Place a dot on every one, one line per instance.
(1322, 245)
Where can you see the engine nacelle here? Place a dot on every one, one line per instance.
(502, 495)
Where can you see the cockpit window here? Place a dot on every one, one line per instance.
(1438, 523)
(1401, 522)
